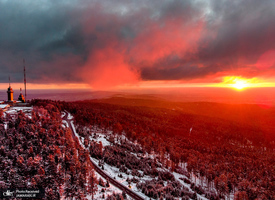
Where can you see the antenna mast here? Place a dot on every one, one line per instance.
(25, 80)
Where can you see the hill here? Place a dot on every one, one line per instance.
(250, 116)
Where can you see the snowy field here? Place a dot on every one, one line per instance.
(13, 110)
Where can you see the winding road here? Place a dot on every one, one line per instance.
(98, 169)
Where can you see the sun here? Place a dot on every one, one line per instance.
(240, 84)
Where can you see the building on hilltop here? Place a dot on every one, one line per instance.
(21, 97)
(10, 93)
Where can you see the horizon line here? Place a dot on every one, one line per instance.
(139, 86)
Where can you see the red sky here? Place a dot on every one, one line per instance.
(135, 44)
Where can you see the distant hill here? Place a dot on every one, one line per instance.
(256, 116)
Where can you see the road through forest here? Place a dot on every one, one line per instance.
(98, 169)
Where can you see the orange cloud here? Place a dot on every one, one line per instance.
(116, 60)
(107, 69)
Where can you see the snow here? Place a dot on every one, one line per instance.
(99, 136)
(108, 191)
(63, 114)
(114, 171)
(4, 106)
(65, 124)
(12, 110)
(5, 125)
(110, 171)
(21, 108)
(70, 116)
(178, 176)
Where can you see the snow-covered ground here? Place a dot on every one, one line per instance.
(65, 124)
(13, 110)
(99, 136)
(107, 191)
(70, 116)
(3, 106)
(16, 109)
(110, 170)
(63, 114)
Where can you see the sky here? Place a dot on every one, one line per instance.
(137, 43)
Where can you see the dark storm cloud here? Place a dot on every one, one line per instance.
(243, 32)
(38, 32)
(26, 26)
(65, 41)
(235, 36)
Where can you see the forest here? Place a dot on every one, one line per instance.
(231, 156)
(131, 161)
(36, 151)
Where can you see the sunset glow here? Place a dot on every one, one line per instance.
(32, 86)
(240, 83)
(137, 99)
(108, 45)
(237, 83)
